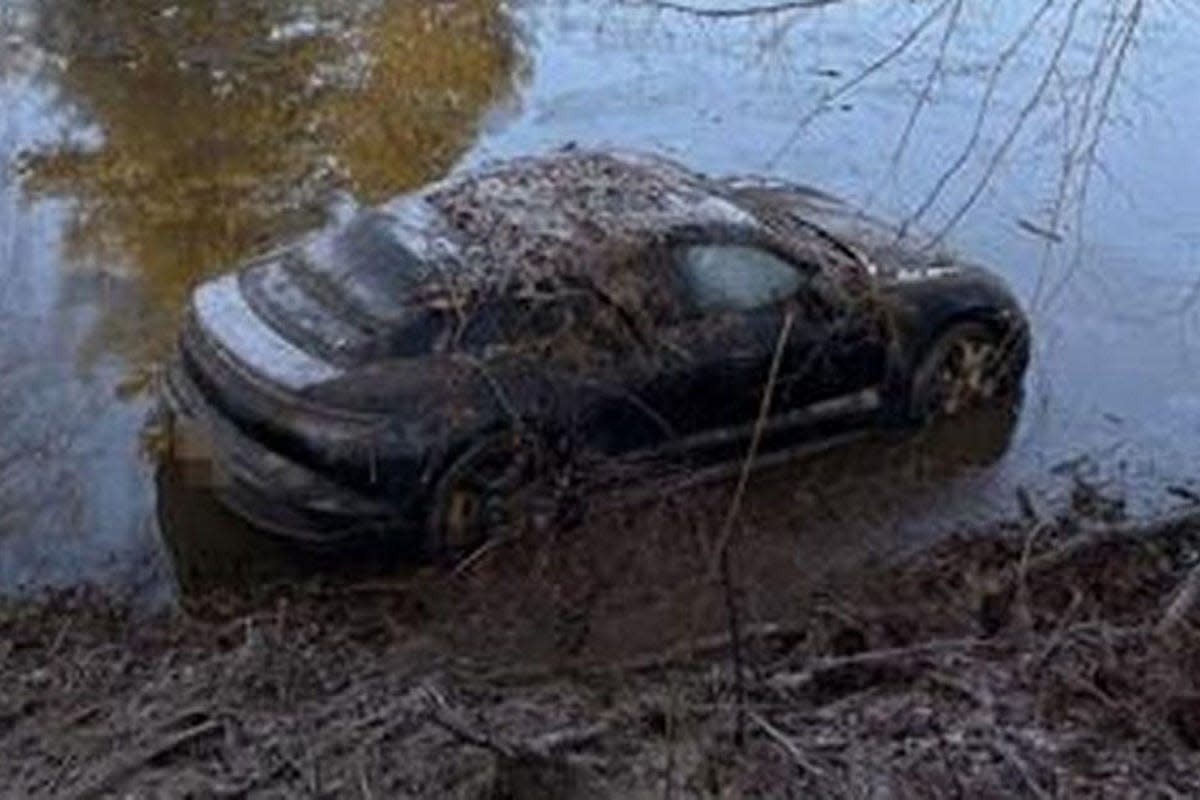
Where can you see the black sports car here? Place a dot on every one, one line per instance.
(411, 372)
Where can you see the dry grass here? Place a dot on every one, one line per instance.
(995, 664)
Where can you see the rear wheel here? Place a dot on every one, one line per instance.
(482, 492)
(968, 367)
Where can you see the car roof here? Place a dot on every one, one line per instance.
(574, 212)
(581, 220)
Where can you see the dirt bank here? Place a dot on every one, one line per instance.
(1046, 658)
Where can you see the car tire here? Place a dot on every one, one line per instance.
(478, 495)
(967, 367)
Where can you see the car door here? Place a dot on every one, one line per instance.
(736, 300)
(836, 352)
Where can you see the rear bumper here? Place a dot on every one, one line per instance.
(271, 492)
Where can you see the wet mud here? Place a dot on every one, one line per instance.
(1048, 656)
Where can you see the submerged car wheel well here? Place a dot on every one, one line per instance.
(984, 317)
(982, 324)
(998, 324)
(988, 318)
(486, 472)
(911, 346)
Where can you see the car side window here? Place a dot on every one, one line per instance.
(726, 277)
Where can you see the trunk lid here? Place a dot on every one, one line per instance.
(340, 299)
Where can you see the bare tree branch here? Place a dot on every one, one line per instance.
(1015, 129)
(935, 71)
(871, 69)
(981, 114)
(733, 12)
(1088, 157)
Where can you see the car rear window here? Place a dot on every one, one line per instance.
(379, 252)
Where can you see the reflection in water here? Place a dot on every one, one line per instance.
(211, 549)
(219, 127)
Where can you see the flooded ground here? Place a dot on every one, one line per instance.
(147, 144)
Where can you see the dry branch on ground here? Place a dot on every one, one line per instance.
(917, 677)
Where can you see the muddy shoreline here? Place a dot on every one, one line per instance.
(1043, 657)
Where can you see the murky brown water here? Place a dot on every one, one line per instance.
(149, 143)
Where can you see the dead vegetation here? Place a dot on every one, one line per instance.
(566, 256)
(553, 242)
(1053, 657)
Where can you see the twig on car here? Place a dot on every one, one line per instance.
(494, 386)
(760, 424)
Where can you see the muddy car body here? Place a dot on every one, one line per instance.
(402, 374)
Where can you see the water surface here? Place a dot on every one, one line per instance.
(149, 144)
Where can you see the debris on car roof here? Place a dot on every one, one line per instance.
(587, 222)
(572, 204)
(536, 227)
(565, 213)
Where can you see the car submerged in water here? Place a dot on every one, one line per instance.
(409, 374)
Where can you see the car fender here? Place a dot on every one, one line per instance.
(920, 313)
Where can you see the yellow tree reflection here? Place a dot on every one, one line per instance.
(219, 127)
